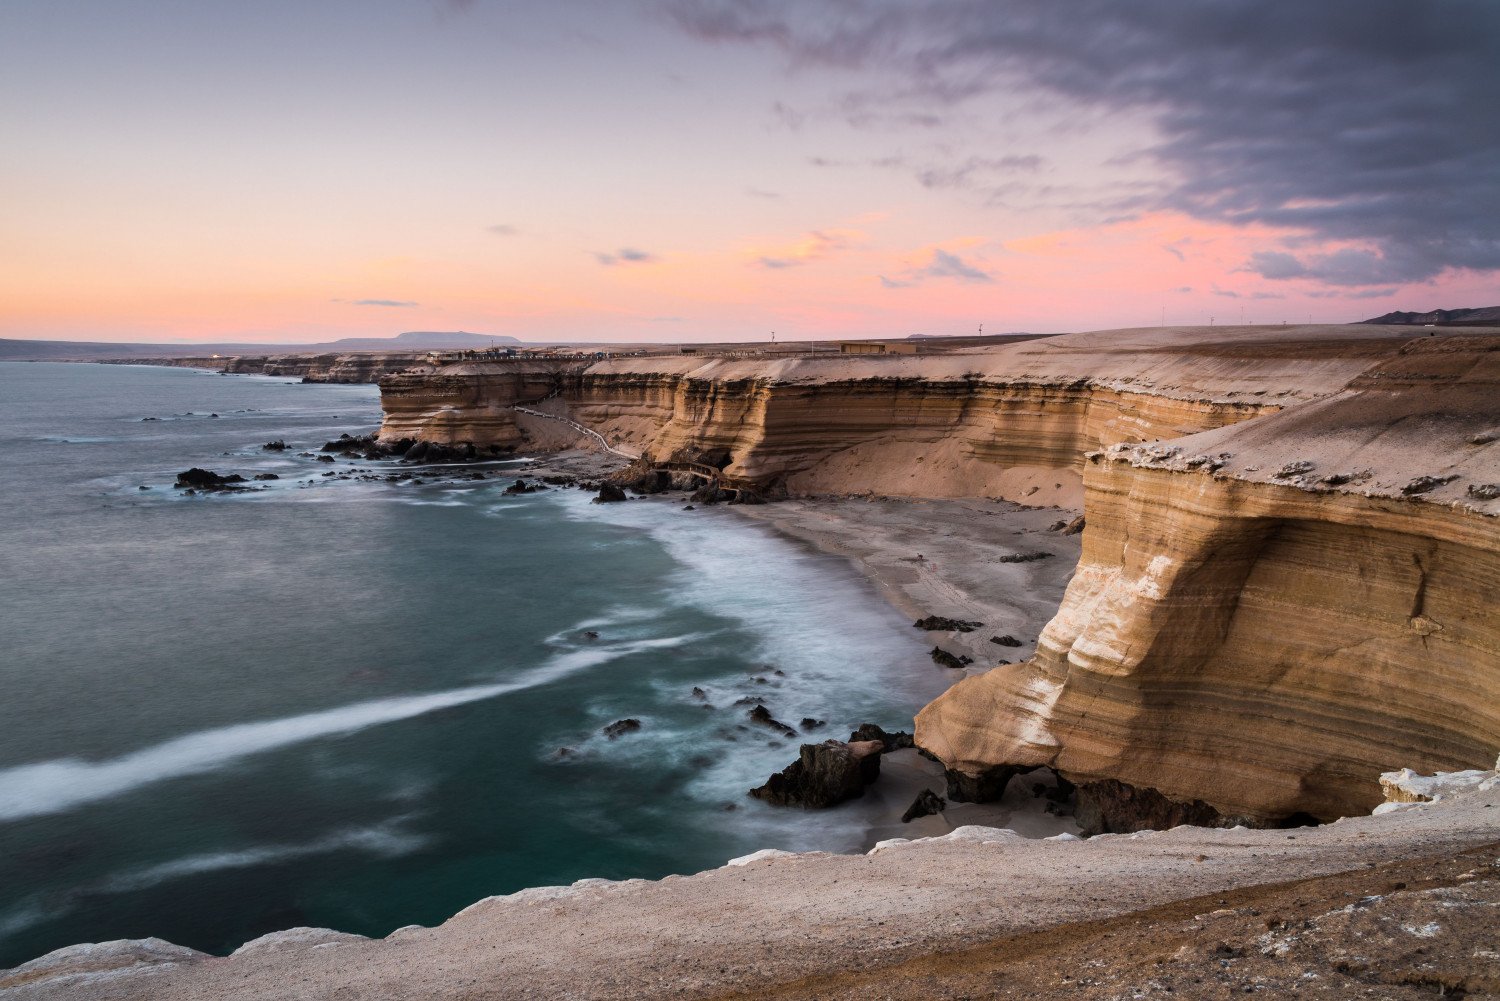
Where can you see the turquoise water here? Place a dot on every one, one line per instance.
(340, 703)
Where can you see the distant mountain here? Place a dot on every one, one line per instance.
(412, 340)
(1485, 316)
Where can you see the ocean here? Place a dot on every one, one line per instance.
(363, 705)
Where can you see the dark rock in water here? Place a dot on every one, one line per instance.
(274, 446)
(986, 787)
(823, 775)
(590, 634)
(935, 623)
(926, 804)
(1113, 807)
(762, 715)
(621, 727)
(808, 723)
(750, 700)
(899, 740)
(143, 487)
(709, 494)
(522, 487)
(325, 458)
(1006, 640)
(609, 493)
(204, 479)
(266, 476)
(150, 418)
(942, 658)
(688, 507)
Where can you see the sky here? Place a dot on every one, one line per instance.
(674, 170)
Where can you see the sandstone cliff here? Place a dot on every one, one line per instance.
(1267, 614)
(1291, 568)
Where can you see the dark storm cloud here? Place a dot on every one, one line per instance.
(397, 303)
(1369, 121)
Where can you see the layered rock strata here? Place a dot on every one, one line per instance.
(1266, 616)
(1289, 576)
(1010, 422)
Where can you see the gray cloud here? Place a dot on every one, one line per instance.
(942, 265)
(1371, 122)
(502, 229)
(386, 302)
(760, 193)
(625, 255)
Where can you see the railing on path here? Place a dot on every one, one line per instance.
(590, 432)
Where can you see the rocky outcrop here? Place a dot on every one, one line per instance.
(824, 775)
(1252, 628)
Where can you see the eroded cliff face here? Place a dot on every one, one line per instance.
(1011, 423)
(1291, 570)
(1266, 616)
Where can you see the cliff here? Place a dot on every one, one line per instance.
(1265, 615)
(1011, 421)
(344, 368)
(1291, 567)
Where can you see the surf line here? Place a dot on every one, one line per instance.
(63, 784)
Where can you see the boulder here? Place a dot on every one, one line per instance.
(609, 493)
(824, 775)
(1112, 807)
(926, 804)
(896, 741)
(522, 487)
(274, 446)
(936, 623)
(206, 479)
(942, 658)
(1006, 640)
(620, 727)
(762, 715)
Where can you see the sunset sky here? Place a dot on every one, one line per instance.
(722, 169)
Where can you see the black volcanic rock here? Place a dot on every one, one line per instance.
(609, 493)
(762, 715)
(205, 479)
(926, 804)
(891, 741)
(621, 727)
(942, 658)
(823, 775)
(939, 623)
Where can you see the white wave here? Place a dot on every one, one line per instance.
(65, 783)
(383, 840)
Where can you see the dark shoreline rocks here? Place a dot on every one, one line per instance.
(942, 658)
(621, 727)
(823, 775)
(207, 479)
(926, 804)
(939, 623)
